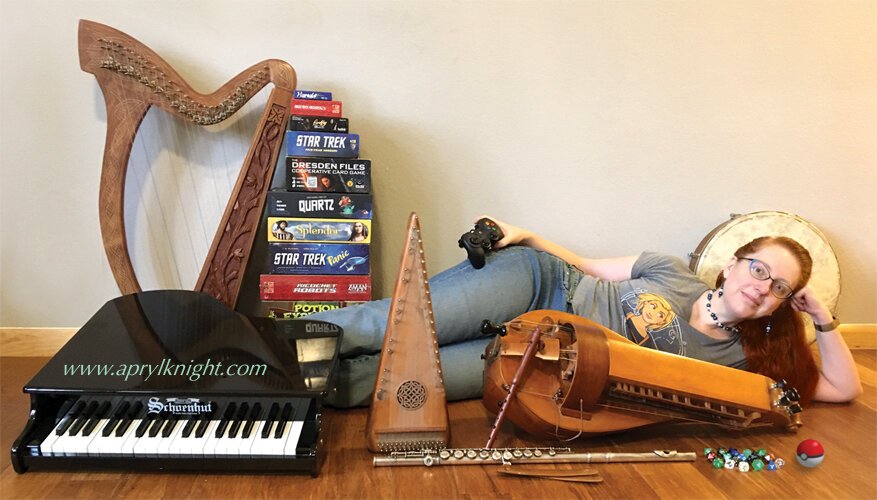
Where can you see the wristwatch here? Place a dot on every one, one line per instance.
(827, 327)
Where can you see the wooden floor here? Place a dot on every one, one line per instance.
(847, 432)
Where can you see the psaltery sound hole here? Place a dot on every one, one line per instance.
(411, 395)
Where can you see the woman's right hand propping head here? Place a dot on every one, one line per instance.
(512, 235)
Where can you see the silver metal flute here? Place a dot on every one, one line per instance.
(480, 456)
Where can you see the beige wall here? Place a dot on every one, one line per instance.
(612, 127)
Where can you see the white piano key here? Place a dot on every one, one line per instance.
(74, 445)
(260, 445)
(148, 445)
(70, 442)
(180, 445)
(113, 445)
(165, 444)
(96, 444)
(294, 435)
(65, 421)
(49, 442)
(247, 442)
(301, 408)
(246, 446)
(211, 441)
(131, 438)
(275, 446)
(203, 447)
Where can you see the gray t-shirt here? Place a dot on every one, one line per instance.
(653, 308)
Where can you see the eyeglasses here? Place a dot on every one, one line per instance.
(780, 289)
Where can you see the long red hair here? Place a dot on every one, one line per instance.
(784, 352)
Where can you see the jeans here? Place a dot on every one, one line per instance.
(514, 280)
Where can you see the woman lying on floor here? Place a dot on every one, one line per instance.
(748, 321)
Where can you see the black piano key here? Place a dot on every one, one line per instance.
(272, 414)
(71, 415)
(190, 425)
(99, 414)
(170, 426)
(204, 421)
(226, 417)
(129, 417)
(201, 428)
(83, 418)
(116, 418)
(255, 413)
(283, 420)
(123, 427)
(159, 423)
(145, 424)
(238, 420)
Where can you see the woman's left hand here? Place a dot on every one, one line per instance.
(806, 301)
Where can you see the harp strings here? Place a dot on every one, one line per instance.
(180, 178)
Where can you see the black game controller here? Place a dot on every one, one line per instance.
(479, 242)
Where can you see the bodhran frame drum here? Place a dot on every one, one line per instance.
(719, 246)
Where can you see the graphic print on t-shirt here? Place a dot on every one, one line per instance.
(649, 320)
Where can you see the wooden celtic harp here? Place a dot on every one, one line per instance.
(133, 78)
(582, 379)
(409, 408)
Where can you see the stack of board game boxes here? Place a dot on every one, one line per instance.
(320, 225)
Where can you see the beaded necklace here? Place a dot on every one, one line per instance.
(709, 298)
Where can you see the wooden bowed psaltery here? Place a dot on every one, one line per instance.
(133, 78)
(409, 409)
(584, 379)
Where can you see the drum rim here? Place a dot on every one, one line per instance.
(696, 256)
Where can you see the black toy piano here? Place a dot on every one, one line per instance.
(173, 380)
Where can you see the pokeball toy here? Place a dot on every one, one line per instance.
(810, 453)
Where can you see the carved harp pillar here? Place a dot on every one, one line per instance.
(132, 78)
